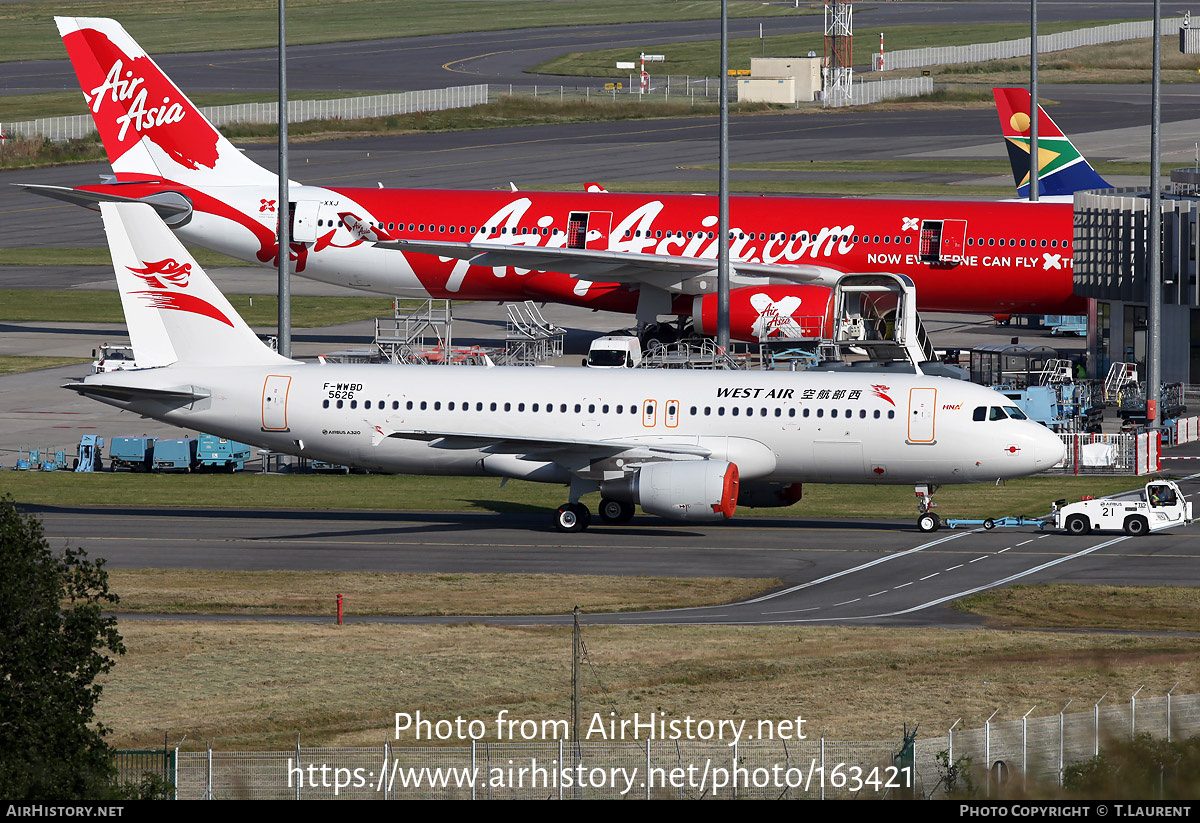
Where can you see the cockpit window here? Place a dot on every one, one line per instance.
(980, 413)
(997, 413)
(1015, 413)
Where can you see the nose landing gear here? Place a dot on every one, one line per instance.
(927, 521)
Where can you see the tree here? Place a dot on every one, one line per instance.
(54, 642)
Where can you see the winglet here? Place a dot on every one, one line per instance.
(1062, 170)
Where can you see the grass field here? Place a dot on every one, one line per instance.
(80, 306)
(18, 107)
(256, 685)
(1161, 608)
(702, 58)
(478, 494)
(188, 591)
(1124, 62)
(13, 364)
(504, 112)
(207, 25)
(43, 256)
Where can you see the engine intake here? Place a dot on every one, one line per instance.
(680, 490)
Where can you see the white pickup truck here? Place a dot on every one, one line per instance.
(1160, 505)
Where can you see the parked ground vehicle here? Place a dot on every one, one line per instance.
(221, 454)
(112, 357)
(133, 453)
(1160, 505)
(178, 454)
(614, 353)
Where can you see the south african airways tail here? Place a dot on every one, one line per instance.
(1062, 170)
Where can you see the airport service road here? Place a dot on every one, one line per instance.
(852, 572)
(503, 56)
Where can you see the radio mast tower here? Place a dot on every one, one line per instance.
(839, 51)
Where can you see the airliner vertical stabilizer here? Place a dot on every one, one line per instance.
(174, 311)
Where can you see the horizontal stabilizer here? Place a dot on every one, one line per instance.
(170, 206)
(131, 393)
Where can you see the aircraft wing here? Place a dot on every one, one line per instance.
(548, 448)
(616, 266)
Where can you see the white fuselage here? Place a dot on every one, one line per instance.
(782, 427)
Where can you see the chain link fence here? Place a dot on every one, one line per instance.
(877, 91)
(677, 89)
(1031, 750)
(299, 111)
(1008, 49)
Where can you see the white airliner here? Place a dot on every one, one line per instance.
(686, 445)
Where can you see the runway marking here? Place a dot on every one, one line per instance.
(935, 574)
(226, 540)
(845, 572)
(1030, 540)
(885, 591)
(952, 568)
(846, 603)
(977, 559)
(902, 585)
(794, 611)
(1002, 551)
(939, 601)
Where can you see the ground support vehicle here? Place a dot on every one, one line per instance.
(132, 453)
(1160, 505)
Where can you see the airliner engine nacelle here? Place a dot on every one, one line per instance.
(680, 490)
(770, 495)
(777, 312)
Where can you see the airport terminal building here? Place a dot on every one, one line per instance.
(1112, 231)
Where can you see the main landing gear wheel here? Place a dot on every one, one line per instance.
(615, 512)
(572, 517)
(929, 522)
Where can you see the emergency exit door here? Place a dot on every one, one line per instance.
(922, 408)
(274, 403)
(943, 241)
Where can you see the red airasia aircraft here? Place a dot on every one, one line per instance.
(653, 255)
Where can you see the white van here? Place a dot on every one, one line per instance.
(614, 353)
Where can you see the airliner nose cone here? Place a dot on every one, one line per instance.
(1049, 449)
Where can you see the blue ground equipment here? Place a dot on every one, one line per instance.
(53, 460)
(90, 448)
(221, 454)
(133, 453)
(177, 455)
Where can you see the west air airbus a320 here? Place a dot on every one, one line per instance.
(686, 445)
(649, 255)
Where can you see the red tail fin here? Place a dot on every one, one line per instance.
(146, 123)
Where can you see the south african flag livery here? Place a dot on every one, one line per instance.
(1062, 170)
